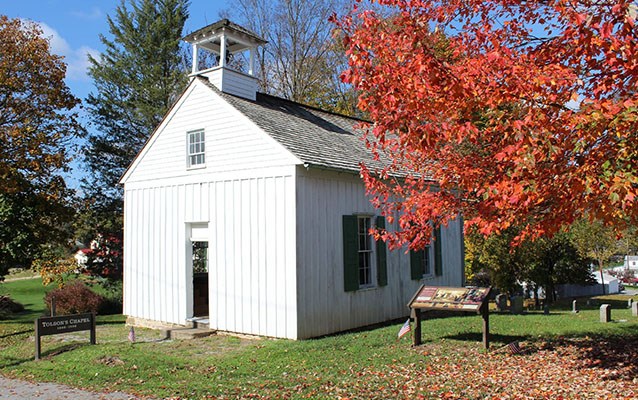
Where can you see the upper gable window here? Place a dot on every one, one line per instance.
(196, 149)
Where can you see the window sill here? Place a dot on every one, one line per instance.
(196, 167)
(365, 289)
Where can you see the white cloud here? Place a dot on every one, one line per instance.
(77, 59)
(95, 13)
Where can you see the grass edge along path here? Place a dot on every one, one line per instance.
(565, 354)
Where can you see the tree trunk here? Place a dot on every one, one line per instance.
(602, 280)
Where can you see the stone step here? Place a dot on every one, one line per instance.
(199, 322)
(188, 333)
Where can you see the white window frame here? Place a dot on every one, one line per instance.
(428, 257)
(367, 263)
(196, 150)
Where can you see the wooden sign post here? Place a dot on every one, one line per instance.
(62, 324)
(450, 299)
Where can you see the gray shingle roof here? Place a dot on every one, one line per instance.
(317, 138)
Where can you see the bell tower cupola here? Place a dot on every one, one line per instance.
(235, 50)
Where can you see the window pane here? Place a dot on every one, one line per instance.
(196, 154)
(426, 261)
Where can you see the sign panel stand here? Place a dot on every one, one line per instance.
(464, 299)
(45, 326)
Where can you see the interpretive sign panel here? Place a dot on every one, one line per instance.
(62, 324)
(429, 298)
(445, 298)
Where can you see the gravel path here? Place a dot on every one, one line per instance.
(15, 389)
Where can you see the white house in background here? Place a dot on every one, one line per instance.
(248, 210)
(631, 262)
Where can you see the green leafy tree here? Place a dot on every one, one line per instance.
(37, 126)
(596, 241)
(137, 79)
(494, 256)
(542, 263)
(555, 261)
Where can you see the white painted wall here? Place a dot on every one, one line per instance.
(245, 194)
(233, 82)
(233, 142)
(324, 307)
(252, 256)
(251, 239)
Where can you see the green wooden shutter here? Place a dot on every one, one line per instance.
(438, 256)
(350, 253)
(382, 267)
(416, 264)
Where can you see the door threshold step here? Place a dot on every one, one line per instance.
(199, 322)
(188, 333)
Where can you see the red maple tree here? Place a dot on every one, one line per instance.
(506, 112)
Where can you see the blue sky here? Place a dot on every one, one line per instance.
(74, 26)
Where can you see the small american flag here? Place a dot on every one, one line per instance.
(515, 348)
(131, 335)
(404, 329)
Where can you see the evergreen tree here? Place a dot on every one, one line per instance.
(138, 77)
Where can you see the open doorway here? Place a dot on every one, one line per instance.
(200, 278)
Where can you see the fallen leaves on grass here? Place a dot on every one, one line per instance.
(110, 361)
(568, 369)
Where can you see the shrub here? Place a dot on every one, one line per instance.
(74, 298)
(112, 292)
(9, 306)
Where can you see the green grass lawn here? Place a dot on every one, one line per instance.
(364, 364)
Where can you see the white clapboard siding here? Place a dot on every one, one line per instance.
(233, 142)
(251, 252)
(324, 307)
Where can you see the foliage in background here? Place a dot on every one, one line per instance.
(137, 79)
(530, 119)
(37, 124)
(56, 270)
(104, 257)
(595, 241)
(542, 263)
(302, 60)
(556, 261)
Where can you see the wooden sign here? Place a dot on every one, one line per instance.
(446, 298)
(62, 324)
(450, 299)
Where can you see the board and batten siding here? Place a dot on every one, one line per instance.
(245, 195)
(324, 307)
(251, 235)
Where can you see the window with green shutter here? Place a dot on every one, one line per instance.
(438, 255)
(420, 263)
(382, 268)
(358, 266)
(350, 253)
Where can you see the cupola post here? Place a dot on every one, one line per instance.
(234, 73)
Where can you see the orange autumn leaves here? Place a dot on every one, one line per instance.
(36, 118)
(508, 112)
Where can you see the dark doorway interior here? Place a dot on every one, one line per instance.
(200, 279)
